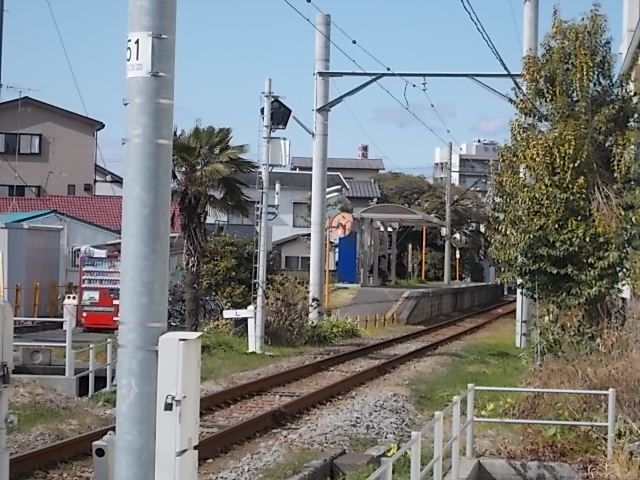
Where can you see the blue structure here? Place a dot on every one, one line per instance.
(347, 268)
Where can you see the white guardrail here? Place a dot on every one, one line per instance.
(70, 353)
(440, 448)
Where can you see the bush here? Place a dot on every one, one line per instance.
(287, 311)
(332, 330)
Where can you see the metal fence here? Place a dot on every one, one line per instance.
(70, 354)
(451, 449)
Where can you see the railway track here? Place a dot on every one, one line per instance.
(238, 413)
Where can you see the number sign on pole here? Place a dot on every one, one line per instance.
(139, 52)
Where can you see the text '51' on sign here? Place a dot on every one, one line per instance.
(139, 54)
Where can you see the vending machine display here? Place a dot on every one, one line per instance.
(99, 292)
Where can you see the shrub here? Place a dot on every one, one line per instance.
(332, 330)
(287, 311)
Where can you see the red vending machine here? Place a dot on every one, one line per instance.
(99, 304)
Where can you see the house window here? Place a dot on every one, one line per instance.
(301, 215)
(296, 263)
(88, 188)
(20, 190)
(291, 263)
(71, 189)
(29, 144)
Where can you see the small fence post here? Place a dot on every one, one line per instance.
(36, 299)
(69, 314)
(92, 369)
(611, 421)
(16, 300)
(358, 320)
(366, 322)
(416, 455)
(384, 320)
(109, 360)
(375, 321)
(455, 434)
(437, 445)
(53, 300)
(470, 414)
(388, 468)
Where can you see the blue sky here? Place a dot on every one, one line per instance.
(225, 49)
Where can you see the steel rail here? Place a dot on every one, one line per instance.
(28, 462)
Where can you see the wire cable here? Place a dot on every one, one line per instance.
(76, 84)
(515, 23)
(473, 16)
(407, 82)
(353, 60)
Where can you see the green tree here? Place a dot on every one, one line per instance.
(205, 169)
(563, 215)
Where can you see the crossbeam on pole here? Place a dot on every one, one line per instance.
(347, 73)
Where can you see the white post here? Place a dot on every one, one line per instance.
(388, 468)
(319, 167)
(92, 370)
(471, 389)
(416, 455)
(264, 222)
(447, 240)
(455, 434)
(109, 360)
(6, 366)
(69, 312)
(611, 421)
(438, 431)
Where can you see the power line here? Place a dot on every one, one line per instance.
(473, 16)
(389, 69)
(341, 50)
(515, 23)
(76, 84)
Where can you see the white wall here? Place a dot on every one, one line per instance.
(73, 234)
(104, 188)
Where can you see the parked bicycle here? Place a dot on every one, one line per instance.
(210, 309)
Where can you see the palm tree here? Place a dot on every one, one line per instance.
(205, 179)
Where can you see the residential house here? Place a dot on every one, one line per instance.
(81, 220)
(107, 182)
(45, 149)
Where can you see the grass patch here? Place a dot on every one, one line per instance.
(360, 444)
(105, 397)
(224, 355)
(33, 414)
(491, 359)
(291, 465)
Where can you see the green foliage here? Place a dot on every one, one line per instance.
(333, 329)
(105, 397)
(566, 196)
(226, 270)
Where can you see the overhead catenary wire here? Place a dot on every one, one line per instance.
(386, 67)
(475, 19)
(359, 66)
(515, 23)
(75, 82)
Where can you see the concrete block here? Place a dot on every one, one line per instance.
(378, 451)
(320, 468)
(351, 462)
(62, 384)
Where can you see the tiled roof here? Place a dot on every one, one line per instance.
(338, 163)
(102, 210)
(289, 179)
(363, 189)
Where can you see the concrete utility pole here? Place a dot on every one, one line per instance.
(447, 220)
(264, 225)
(150, 60)
(1, 41)
(319, 166)
(529, 47)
